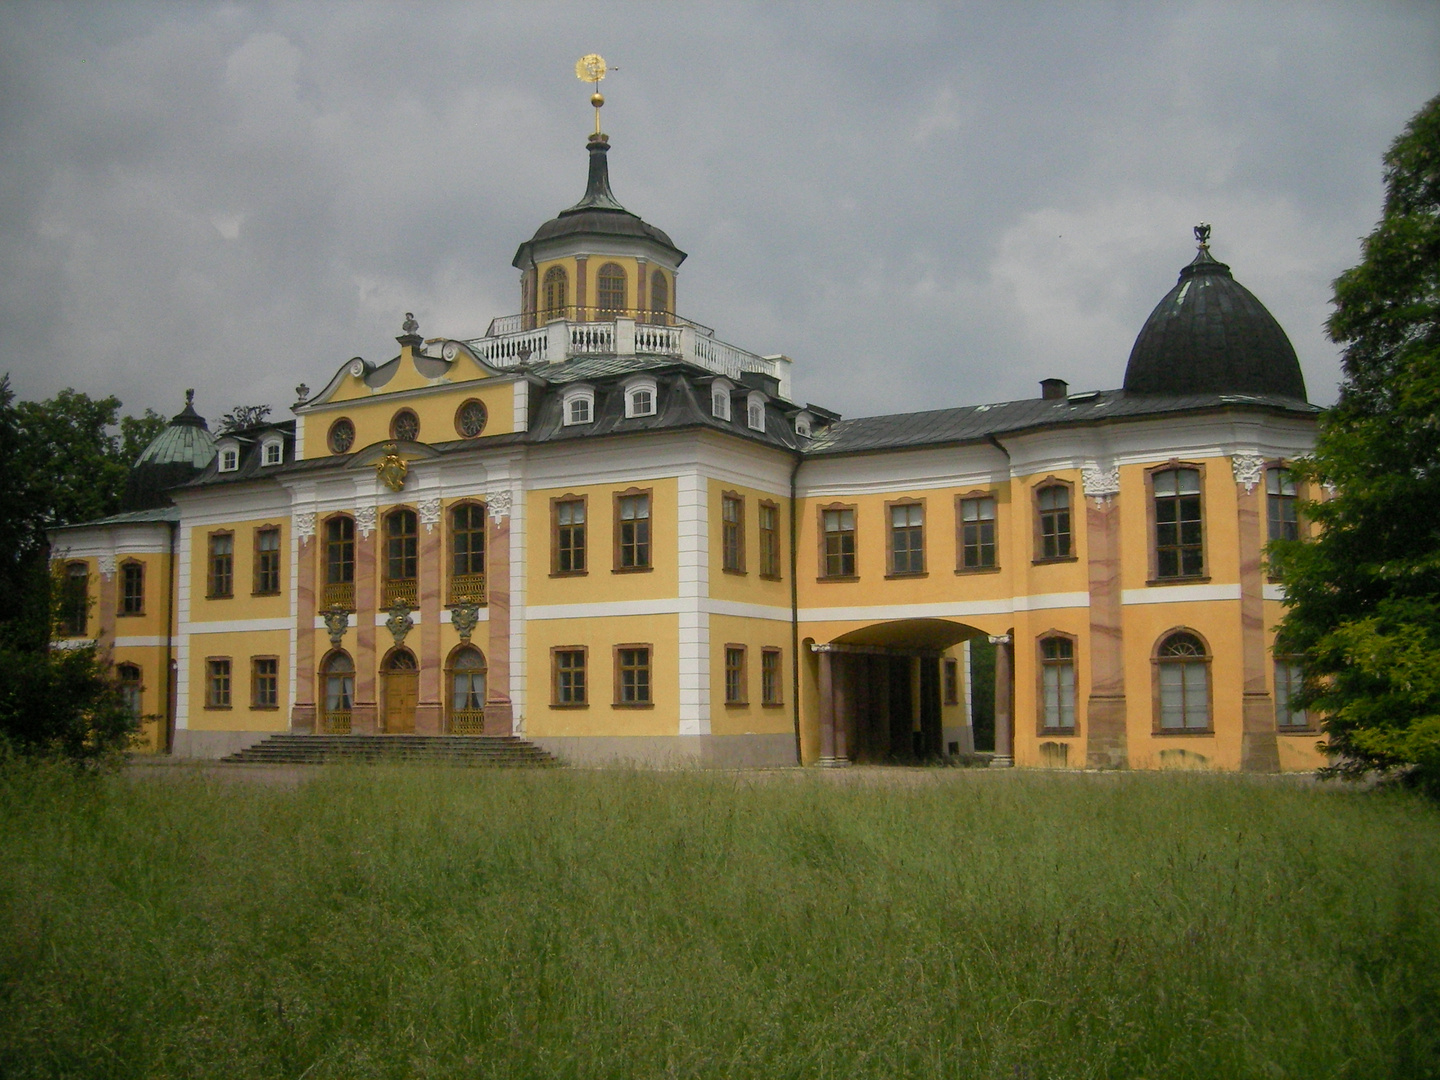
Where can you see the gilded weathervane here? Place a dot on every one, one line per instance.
(591, 68)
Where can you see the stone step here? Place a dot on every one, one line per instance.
(479, 750)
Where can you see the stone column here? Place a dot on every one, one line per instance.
(429, 703)
(105, 605)
(827, 707)
(364, 714)
(302, 709)
(1259, 741)
(1004, 703)
(1105, 734)
(499, 711)
(844, 706)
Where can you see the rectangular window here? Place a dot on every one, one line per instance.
(402, 559)
(769, 540)
(770, 677)
(569, 667)
(75, 600)
(952, 681)
(907, 539)
(217, 683)
(632, 521)
(735, 675)
(267, 562)
(1057, 684)
(632, 675)
(1282, 505)
(339, 564)
(265, 682)
(1053, 504)
(1179, 547)
(1289, 676)
(221, 578)
(838, 536)
(977, 533)
(132, 589)
(467, 554)
(732, 524)
(569, 524)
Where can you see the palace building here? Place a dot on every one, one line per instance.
(601, 528)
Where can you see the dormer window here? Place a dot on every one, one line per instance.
(755, 411)
(578, 405)
(720, 399)
(640, 398)
(229, 458)
(272, 452)
(802, 425)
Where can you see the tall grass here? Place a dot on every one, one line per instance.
(389, 923)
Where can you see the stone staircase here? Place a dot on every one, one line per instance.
(485, 750)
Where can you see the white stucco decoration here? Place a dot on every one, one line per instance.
(1249, 469)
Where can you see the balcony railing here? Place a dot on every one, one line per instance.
(403, 591)
(339, 594)
(467, 722)
(335, 723)
(545, 337)
(467, 589)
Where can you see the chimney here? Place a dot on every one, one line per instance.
(1053, 389)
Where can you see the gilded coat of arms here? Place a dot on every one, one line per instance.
(392, 469)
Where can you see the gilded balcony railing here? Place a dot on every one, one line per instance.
(467, 589)
(335, 723)
(467, 721)
(403, 591)
(339, 594)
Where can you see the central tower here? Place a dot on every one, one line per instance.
(596, 261)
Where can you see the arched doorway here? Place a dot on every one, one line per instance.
(400, 675)
(337, 675)
(467, 692)
(895, 691)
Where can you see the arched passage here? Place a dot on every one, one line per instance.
(893, 691)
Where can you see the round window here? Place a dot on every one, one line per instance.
(470, 418)
(342, 436)
(405, 426)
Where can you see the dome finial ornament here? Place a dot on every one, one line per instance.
(1202, 236)
(189, 397)
(591, 68)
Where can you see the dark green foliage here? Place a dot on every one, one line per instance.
(242, 417)
(62, 703)
(1364, 596)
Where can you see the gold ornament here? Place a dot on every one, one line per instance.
(392, 468)
(590, 68)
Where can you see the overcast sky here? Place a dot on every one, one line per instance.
(923, 204)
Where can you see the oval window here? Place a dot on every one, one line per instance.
(342, 436)
(470, 418)
(405, 426)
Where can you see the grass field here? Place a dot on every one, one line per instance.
(387, 923)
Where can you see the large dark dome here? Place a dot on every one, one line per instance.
(1211, 336)
(178, 454)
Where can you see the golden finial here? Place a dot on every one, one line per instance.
(591, 68)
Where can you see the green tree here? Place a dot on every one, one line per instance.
(1364, 596)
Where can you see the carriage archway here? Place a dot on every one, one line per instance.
(894, 691)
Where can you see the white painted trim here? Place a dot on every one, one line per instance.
(612, 609)
(236, 626)
(693, 519)
(139, 641)
(1273, 592)
(1180, 594)
(381, 617)
(953, 610)
(1047, 601)
(741, 610)
(183, 545)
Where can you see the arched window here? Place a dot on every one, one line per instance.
(556, 289)
(659, 296)
(402, 559)
(610, 290)
(75, 600)
(340, 563)
(467, 691)
(1183, 683)
(130, 688)
(467, 553)
(338, 678)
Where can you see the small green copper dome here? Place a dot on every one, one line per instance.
(179, 453)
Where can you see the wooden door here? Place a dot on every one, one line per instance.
(402, 688)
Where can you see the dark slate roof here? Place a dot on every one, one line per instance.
(598, 213)
(977, 423)
(251, 467)
(131, 517)
(178, 454)
(1211, 335)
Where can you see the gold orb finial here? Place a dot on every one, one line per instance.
(591, 68)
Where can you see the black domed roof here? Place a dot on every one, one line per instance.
(179, 453)
(1210, 335)
(598, 213)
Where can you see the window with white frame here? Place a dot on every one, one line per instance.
(640, 398)
(720, 399)
(755, 411)
(802, 425)
(229, 458)
(578, 405)
(273, 452)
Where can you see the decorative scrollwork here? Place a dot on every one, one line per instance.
(337, 621)
(1100, 483)
(429, 513)
(107, 565)
(399, 623)
(465, 617)
(1249, 469)
(365, 520)
(497, 504)
(305, 526)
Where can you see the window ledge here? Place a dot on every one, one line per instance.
(737, 704)
(568, 573)
(1060, 732)
(772, 704)
(129, 614)
(1054, 559)
(838, 577)
(908, 574)
(1196, 579)
(569, 705)
(632, 569)
(267, 592)
(264, 708)
(633, 705)
(220, 596)
(734, 571)
(218, 708)
(1311, 731)
(977, 570)
(1173, 732)
(771, 577)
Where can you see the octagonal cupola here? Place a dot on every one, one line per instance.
(1210, 335)
(597, 261)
